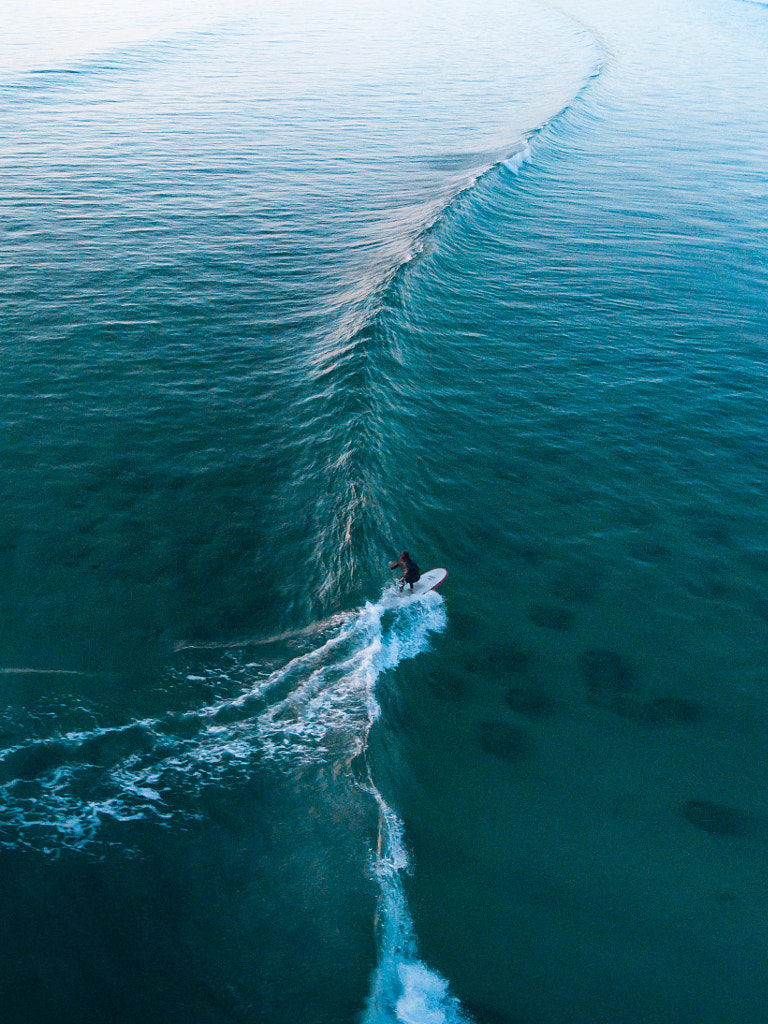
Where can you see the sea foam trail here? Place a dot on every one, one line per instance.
(315, 709)
(403, 988)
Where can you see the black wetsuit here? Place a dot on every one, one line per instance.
(411, 572)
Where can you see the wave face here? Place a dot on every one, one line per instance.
(285, 290)
(214, 257)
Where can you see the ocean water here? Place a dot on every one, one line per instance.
(287, 287)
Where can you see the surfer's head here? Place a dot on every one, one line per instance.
(404, 556)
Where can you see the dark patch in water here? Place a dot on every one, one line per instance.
(718, 819)
(483, 1014)
(530, 701)
(676, 709)
(715, 527)
(185, 727)
(756, 558)
(578, 582)
(725, 897)
(760, 607)
(505, 741)
(529, 549)
(549, 616)
(708, 583)
(26, 789)
(464, 626)
(9, 540)
(509, 658)
(661, 711)
(111, 747)
(606, 673)
(447, 685)
(33, 761)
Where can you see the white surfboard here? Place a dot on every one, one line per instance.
(428, 581)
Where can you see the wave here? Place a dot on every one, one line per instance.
(516, 160)
(358, 387)
(50, 44)
(331, 504)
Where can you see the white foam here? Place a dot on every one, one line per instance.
(403, 989)
(325, 715)
(340, 700)
(337, 699)
(514, 162)
(317, 707)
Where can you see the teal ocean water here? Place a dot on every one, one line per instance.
(285, 289)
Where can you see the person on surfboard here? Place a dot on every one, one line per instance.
(411, 572)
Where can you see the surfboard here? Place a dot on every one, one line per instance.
(428, 581)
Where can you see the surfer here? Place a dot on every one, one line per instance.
(411, 572)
